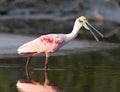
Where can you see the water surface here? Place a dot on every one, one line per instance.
(92, 71)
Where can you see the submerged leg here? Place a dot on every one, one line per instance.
(26, 67)
(46, 60)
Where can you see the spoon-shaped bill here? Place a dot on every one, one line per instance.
(94, 35)
(86, 26)
(95, 29)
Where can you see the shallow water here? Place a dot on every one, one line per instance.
(92, 71)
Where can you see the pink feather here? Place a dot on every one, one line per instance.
(45, 43)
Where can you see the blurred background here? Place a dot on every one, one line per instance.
(37, 17)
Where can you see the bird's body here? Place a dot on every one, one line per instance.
(43, 44)
(48, 43)
(51, 42)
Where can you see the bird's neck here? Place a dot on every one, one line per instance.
(75, 31)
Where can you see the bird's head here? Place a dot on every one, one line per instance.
(83, 21)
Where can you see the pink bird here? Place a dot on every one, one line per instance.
(51, 42)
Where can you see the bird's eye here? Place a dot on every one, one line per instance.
(80, 21)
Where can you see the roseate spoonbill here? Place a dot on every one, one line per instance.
(51, 42)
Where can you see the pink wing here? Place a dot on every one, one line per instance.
(45, 43)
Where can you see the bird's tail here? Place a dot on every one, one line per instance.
(28, 48)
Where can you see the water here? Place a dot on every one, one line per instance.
(92, 71)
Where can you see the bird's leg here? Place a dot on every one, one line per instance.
(26, 67)
(46, 60)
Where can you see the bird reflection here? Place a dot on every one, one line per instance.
(30, 85)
